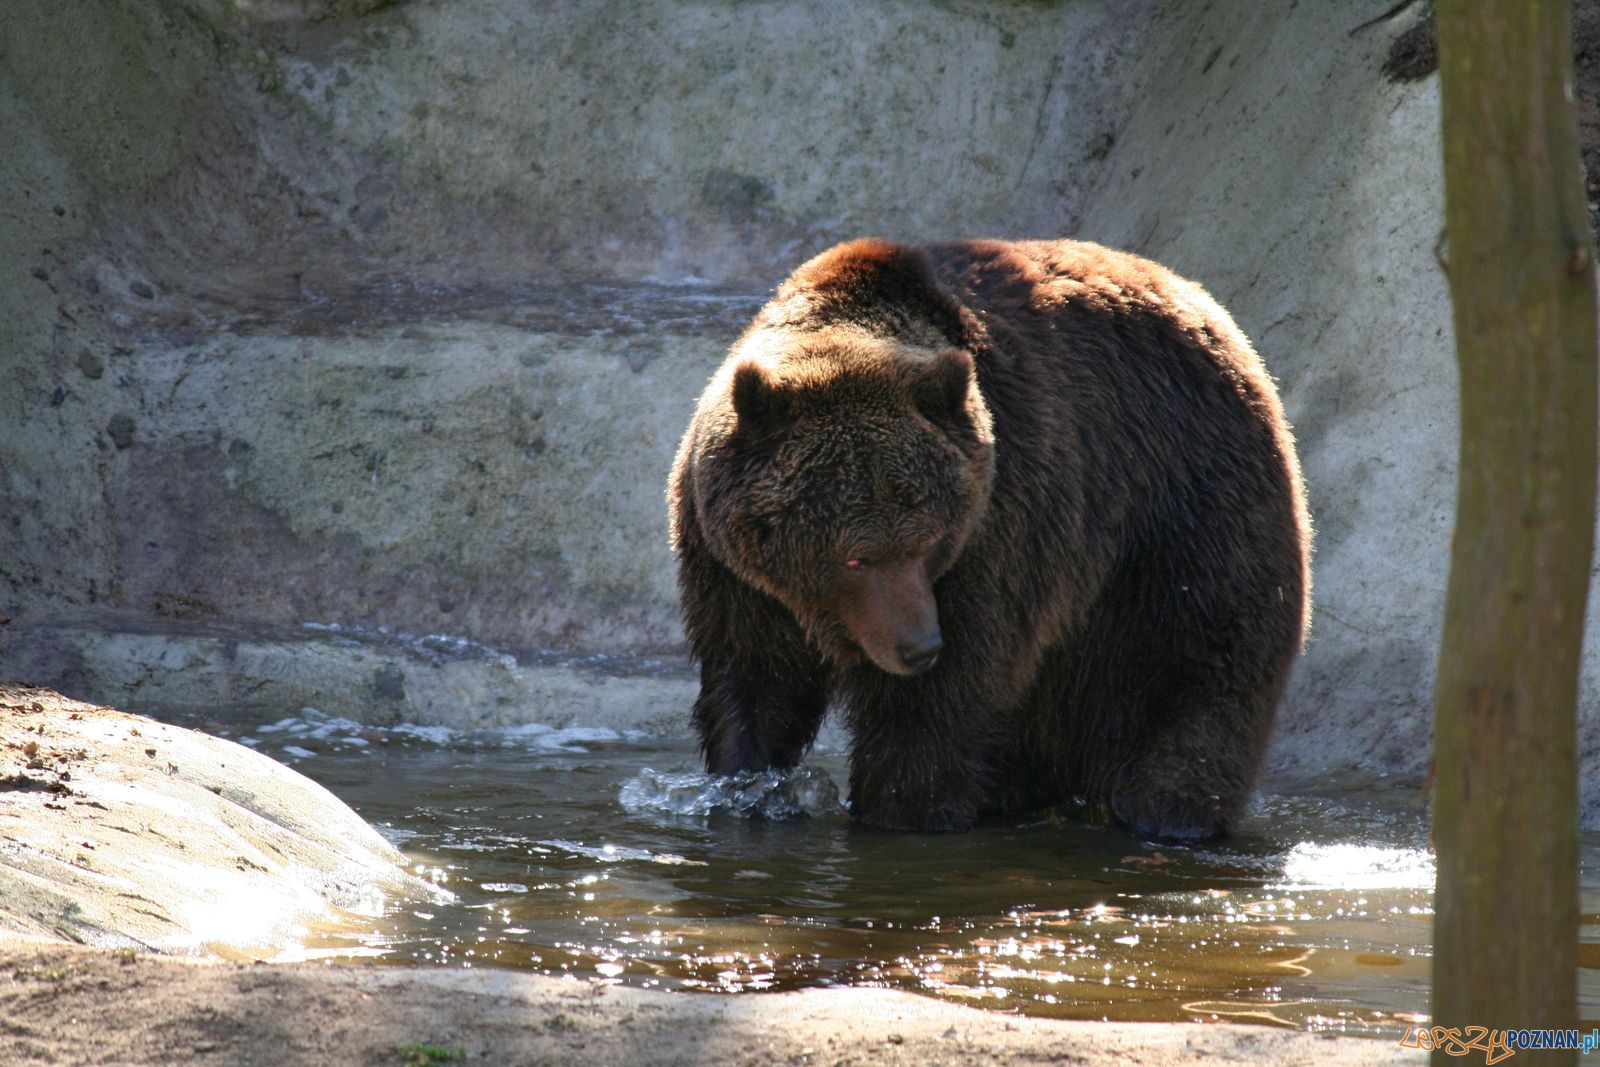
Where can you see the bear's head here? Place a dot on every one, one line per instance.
(841, 471)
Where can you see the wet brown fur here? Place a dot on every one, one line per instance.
(1080, 457)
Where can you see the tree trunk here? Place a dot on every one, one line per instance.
(1522, 285)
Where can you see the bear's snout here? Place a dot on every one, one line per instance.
(921, 652)
(890, 613)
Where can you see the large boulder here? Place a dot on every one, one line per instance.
(119, 831)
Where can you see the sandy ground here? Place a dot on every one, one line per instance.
(63, 1004)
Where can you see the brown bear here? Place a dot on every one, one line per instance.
(1029, 513)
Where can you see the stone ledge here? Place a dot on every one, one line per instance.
(362, 675)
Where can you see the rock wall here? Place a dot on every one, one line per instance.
(389, 315)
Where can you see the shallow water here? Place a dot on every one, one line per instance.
(569, 852)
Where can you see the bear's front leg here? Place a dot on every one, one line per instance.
(752, 714)
(1191, 780)
(762, 689)
(1153, 802)
(916, 762)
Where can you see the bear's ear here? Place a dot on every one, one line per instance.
(758, 402)
(941, 392)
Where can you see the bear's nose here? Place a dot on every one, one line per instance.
(919, 653)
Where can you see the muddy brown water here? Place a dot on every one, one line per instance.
(590, 854)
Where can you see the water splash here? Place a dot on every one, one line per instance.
(768, 794)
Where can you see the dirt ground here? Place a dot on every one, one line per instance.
(71, 1005)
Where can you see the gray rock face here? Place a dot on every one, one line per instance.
(405, 306)
(389, 315)
(494, 478)
(118, 831)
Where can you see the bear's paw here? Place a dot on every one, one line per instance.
(1163, 812)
